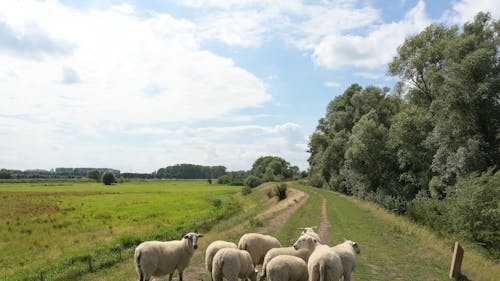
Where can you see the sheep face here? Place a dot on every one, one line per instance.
(305, 242)
(192, 239)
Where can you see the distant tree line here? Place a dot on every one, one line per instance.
(52, 173)
(190, 171)
(431, 149)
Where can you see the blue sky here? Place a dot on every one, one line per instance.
(139, 85)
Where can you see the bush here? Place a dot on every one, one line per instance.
(4, 174)
(94, 174)
(246, 190)
(280, 191)
(475, 205)
(108, 178)
(430, 212)
(252, 181)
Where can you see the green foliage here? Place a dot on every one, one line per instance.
(246, 190)
(272, 168)
(476, 208)
(280, 191)
(190, 171)
(108, 178)
(252, 181)
(231, 179)
(94, 174)
(4, 174)
(414, 151)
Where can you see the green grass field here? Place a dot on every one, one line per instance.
(42, 224)
(58, 225)
(392, 248)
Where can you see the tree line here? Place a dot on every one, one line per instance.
(429, 149)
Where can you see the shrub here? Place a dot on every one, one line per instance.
(475, 205)
(94, 174)
(108, 178)
(280, 191)
(252, 181)
(246, 190)
(5, 174)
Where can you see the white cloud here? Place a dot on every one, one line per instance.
(103, 100)
(120, 57)
(373, 50)
(465, 10)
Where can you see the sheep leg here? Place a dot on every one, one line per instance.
(180, 275)
(170, 276)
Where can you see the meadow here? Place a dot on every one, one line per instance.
(86, 248)
(48, 228)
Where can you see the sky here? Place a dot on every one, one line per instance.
(138, 85)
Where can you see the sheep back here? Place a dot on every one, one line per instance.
(325, 263)
(232, 264)
(161, 258)
(213, 248)
(257, 245)
(272, 253)
(348, 257)
(287, 268)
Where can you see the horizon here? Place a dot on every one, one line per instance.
(138, 86)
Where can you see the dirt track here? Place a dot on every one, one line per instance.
(279, 213)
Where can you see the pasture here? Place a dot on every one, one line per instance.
(61, 223)
(392, 248)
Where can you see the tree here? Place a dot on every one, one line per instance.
(408, 139)
(94, 174)
(5, 174)
(455, 79)
(273, 168)
(108, 178)
(252, 181)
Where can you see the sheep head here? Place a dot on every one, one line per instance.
(305, 241)
(354, 245)
(192, 240)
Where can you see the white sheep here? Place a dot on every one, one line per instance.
(347, 252)
(311, 231)
(233, 264)
(257, 245)
(271, 254)
(324, 263)
(156, 258)
(213, 248)
(287, 268)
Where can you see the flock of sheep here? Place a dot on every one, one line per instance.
(306, 260)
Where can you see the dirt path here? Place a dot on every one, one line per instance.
(324, 227)
(279, 213)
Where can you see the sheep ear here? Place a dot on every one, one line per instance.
(199, 235)
(186, 236)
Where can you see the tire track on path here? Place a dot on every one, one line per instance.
(282, 211)
(324, 227)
